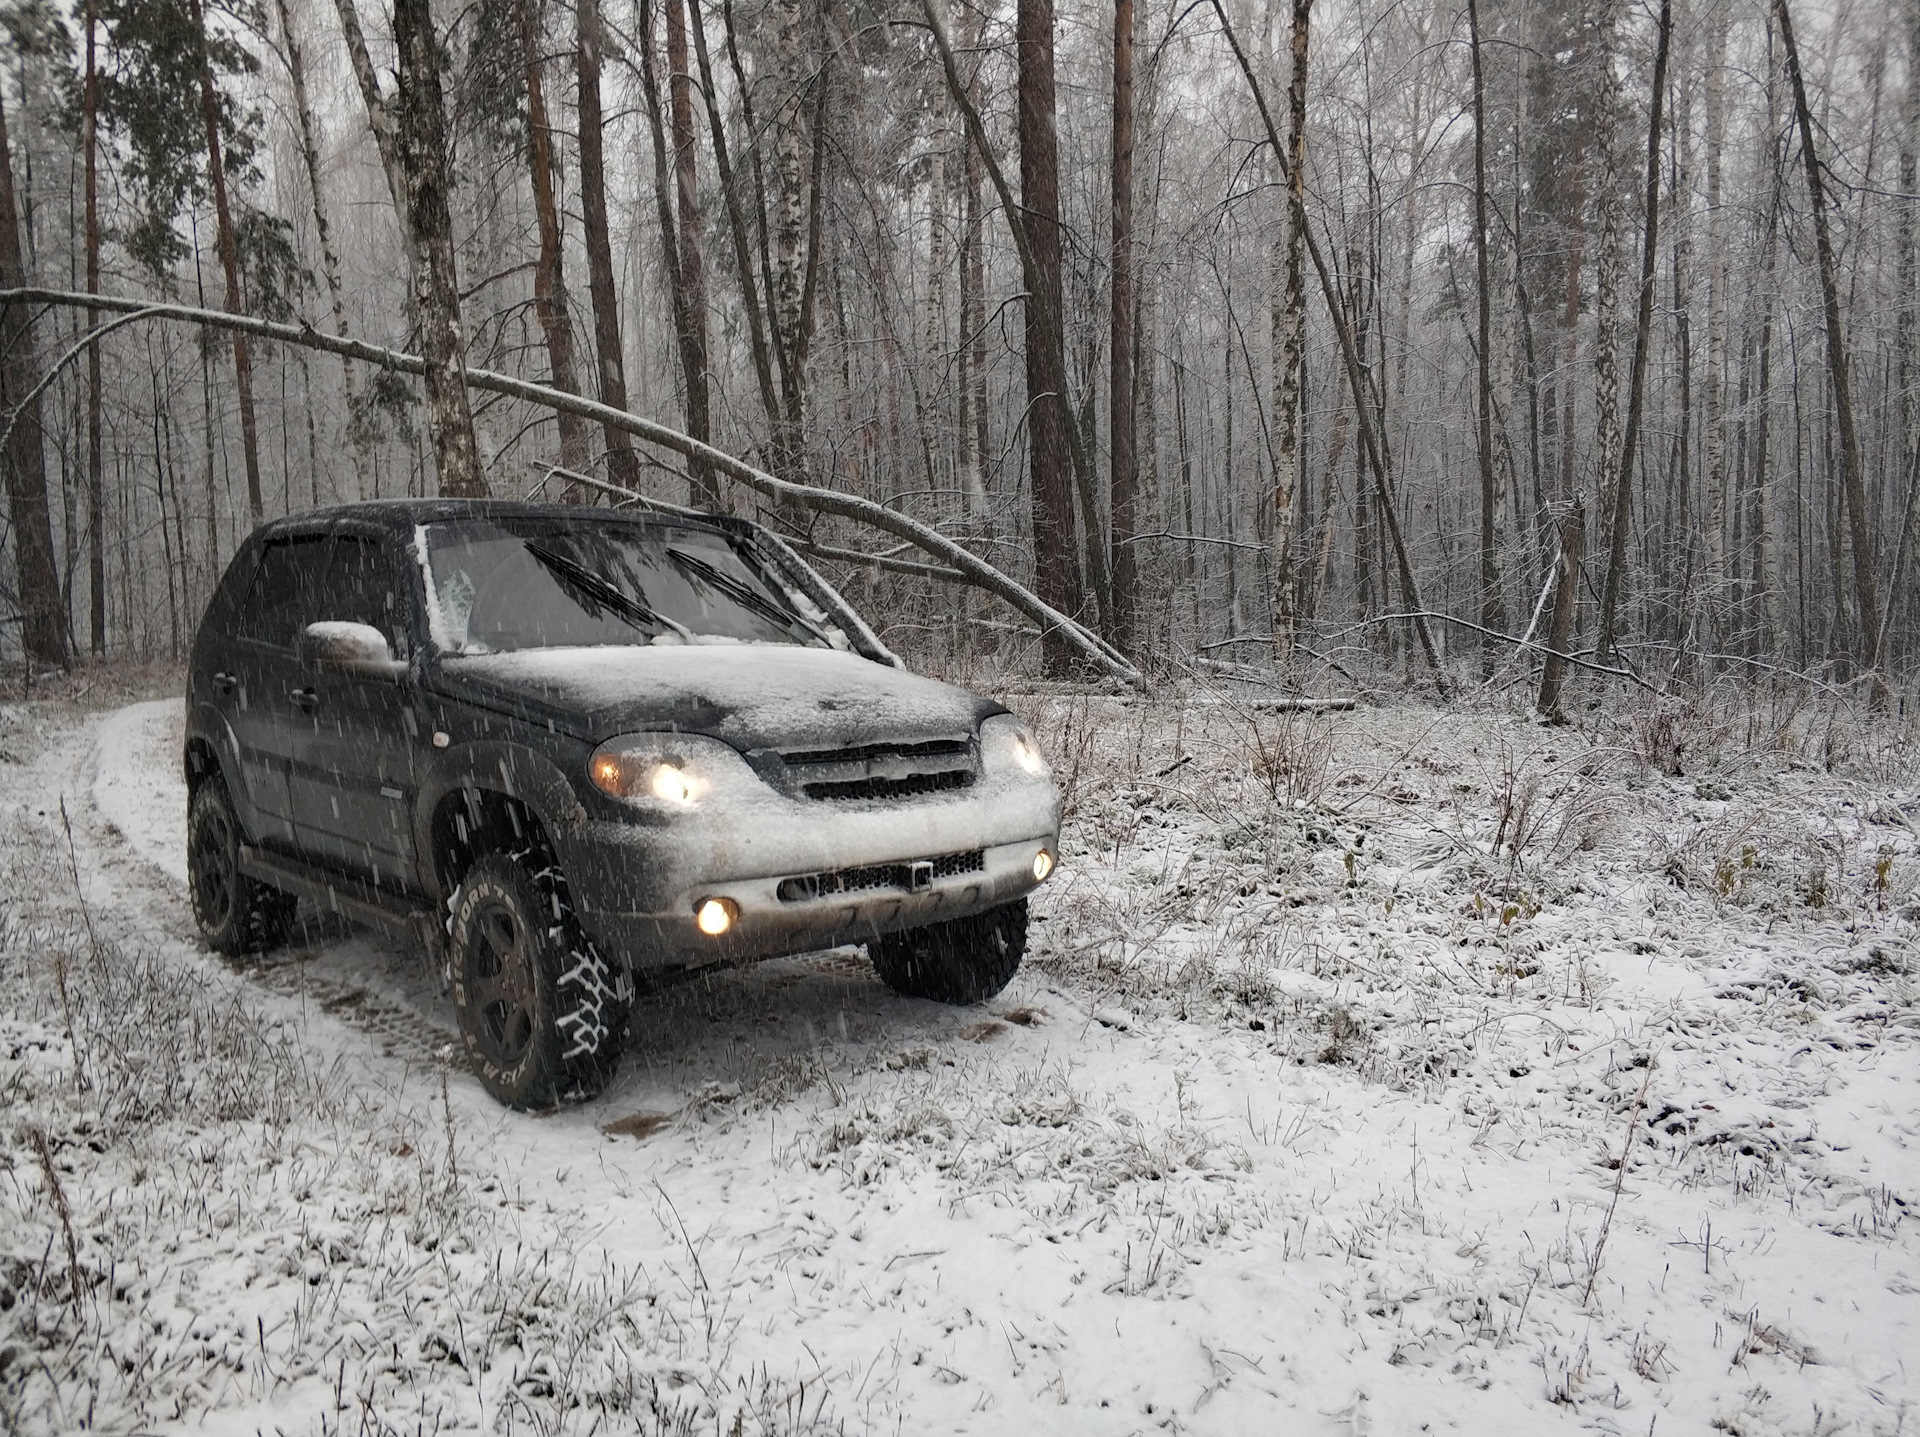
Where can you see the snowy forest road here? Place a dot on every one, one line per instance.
(1326, 1151)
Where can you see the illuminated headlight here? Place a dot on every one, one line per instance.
(637, 776)
(675, 769)
(1005, 742)
(715, 916)
(1042, 866)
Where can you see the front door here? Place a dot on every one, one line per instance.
(269, 709)
(353, 783)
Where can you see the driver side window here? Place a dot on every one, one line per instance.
(361, 587)
(280, 601)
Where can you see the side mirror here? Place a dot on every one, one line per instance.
(350, 648)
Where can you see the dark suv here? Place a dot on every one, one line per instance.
(578, 751)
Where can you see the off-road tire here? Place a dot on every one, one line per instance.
(964, 960)
(236, 914)
(542, 1014)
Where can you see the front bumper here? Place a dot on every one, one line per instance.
(804, 875)
(769, 926)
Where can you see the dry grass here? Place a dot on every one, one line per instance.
(199, 1212)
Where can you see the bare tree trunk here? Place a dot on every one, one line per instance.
(1766, 564)
(43, 617)
(1493, 610)
(1120, 392)
(1676, 555)
(1289, 339)
(1566, 596)
(1713, 419)
(323, 227)
(1637, 375)
(549, 272)
(973, 339)
(689, 325)
(1051, 424)
(743, 249)
(1606, 334)
(623, 465)
(230, 270)
(1570, 336)
(1056, 566)
(1369, 408)
(420, 147)
(96, 481)
(1866, 599)
(1907, 263)
(787, 230)
(381, 119)
(693, 281)
(935, 422)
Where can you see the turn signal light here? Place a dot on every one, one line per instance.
(609, 774)
(716, 915)
(1042, 866)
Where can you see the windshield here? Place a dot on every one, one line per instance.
(503, 585)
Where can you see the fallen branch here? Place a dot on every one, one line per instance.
(1302, 706)
(1619, 1177)
(792, 541)
(1627, 674)
(825, 501)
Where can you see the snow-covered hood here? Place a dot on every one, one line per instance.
(751, 696)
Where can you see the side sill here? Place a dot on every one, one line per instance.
(354, 899)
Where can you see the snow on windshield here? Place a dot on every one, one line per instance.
(501, 586)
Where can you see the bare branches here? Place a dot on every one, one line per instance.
(977, 571)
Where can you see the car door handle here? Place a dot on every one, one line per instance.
(225, 683)
(306, 700)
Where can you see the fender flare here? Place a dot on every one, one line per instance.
(207, 725)
(493, 767)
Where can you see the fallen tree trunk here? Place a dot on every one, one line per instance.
(804, 546)
(968, 566)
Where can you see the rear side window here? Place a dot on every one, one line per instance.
(361, 587)
(281, 601)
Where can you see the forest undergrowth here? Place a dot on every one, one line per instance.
(1647, 945)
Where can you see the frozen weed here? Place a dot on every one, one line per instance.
(198, 1213)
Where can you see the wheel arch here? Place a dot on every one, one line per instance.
(211, 751)
(487, 798)
(201, 762)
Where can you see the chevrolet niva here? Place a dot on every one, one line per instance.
(579, 752)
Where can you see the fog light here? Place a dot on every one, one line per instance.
(715, 916)
(1042, 866)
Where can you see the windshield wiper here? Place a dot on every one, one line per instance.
(742, 593)
(602, 591)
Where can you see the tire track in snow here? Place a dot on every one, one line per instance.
(129, 768)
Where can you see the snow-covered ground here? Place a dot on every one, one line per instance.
(1308, 1114)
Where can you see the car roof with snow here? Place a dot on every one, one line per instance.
(402, 514)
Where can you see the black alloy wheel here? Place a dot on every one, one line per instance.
(501, 983)
(542, 1014)
(236, 914)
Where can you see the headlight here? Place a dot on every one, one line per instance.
(1007, 744)
(678, 770)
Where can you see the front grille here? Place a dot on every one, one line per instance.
(912, 876)
(889, 787)
(936, 748)
(882, 770)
